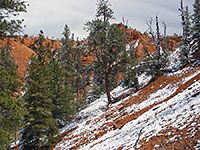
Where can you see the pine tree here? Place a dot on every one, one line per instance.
(185, 21)
(10, 8)
(104, 10)
(77, 73)
(195, 29)
(77, 68)
(196, 20)
(130, 70)
(186, 26)
(11, 105)
(67, 52)
(130, 73)
(129, 78)
(94, 93)
(40, 127)
(61, 92)
(107, 42)
(48, 96)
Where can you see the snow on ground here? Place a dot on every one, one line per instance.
(143, 79)
(176, 112)
(129, 133)
(156, 97)
(174, 62)
(153, 121)
(132, 45)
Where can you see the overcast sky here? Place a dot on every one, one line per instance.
(52, 15)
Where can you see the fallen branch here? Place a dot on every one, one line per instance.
(138, 138)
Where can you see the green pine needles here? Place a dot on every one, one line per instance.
(108, 43)
(11, 105)
(47, 97)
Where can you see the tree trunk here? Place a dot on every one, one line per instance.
(108, 89)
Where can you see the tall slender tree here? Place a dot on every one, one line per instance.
(107, 42)
(39, 125)
(196, 19)
(60, 90)
(185, 21)
(77, 73)
(11, 105)
(186, 27)
(196, 28)
(66, 51)
(48, 96)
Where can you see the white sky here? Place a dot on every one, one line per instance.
(52, 15)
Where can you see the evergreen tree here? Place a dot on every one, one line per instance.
(130, 73)
(94, 93)
(186, 26)
(11, 105)
(65, 53)
(104, 11)
(196, 28)
(40, 127)
(191, 36)
(196, 20)
(129, 78)
(61, 92)
(130, 70)
(10, 8)
(48, 97)
(185, 21)
(107, 42)
(77, 73)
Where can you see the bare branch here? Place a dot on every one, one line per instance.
(138, 137)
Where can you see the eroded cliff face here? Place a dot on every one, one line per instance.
(20, 52)
(135, 39)
(140, 41)
(53, 44)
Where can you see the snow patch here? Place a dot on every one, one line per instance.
(143, 79)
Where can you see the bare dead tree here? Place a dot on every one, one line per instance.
(164, 37)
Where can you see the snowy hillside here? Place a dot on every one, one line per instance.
(164, 114)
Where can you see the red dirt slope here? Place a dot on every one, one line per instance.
(20, 52)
